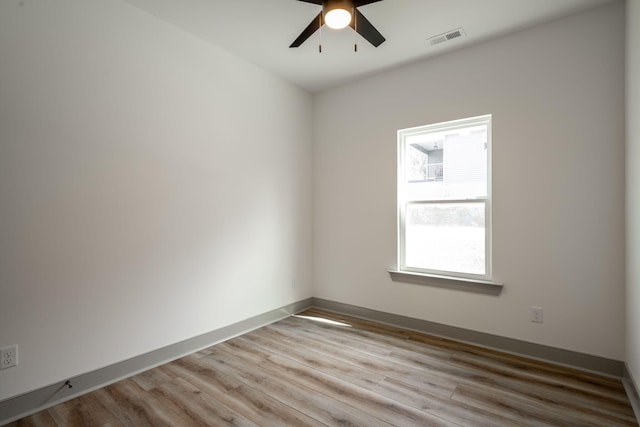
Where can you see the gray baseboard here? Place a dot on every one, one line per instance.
(630, 386)
(569, 358)
(29, 403)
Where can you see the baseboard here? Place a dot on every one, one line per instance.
(569, 358)
(630, 386)
(17, 407)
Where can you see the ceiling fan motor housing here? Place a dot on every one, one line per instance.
(330, 5)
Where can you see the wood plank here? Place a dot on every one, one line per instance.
(424, 377)
(134, 407)
(153, 378)
(587, 400)
(521, 408)
(318, 361)
(285, 388)
(445, 407)
(377, 405)
(201, 408)
(39, 419)
(229, 390)
(463, 416)
(309, 329)
(85, 410)
(362, 332)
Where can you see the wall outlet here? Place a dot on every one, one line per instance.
(536, 314)
(8, 357)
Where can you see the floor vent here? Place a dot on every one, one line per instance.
(449, 35)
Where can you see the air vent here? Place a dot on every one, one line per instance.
(449, 35)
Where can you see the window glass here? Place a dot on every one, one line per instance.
(446, 236)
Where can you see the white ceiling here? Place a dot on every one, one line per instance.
(262, 30)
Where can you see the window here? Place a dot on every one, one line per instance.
(444, 205)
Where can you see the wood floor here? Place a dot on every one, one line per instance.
(305, 371)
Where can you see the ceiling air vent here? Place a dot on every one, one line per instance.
(449, 35)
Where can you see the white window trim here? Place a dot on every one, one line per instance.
(484, 279)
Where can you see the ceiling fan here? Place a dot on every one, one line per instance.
(339, 14)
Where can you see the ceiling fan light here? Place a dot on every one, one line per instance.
(337, 18)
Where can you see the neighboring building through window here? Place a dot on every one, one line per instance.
(444, 205)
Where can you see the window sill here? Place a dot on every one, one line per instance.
(459, 283)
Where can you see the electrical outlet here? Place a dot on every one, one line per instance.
(536, 314)
(8, 357)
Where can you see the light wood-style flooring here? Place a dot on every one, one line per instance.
(324, 369)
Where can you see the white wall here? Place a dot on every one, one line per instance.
(152, 188)
(633, 188)
(558, 225)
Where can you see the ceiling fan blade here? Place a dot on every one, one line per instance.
(366, 29)
(311, 28)
(358, 3)
(319, 1)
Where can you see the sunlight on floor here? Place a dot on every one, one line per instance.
(322, 320)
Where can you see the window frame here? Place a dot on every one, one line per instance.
(403, 203)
